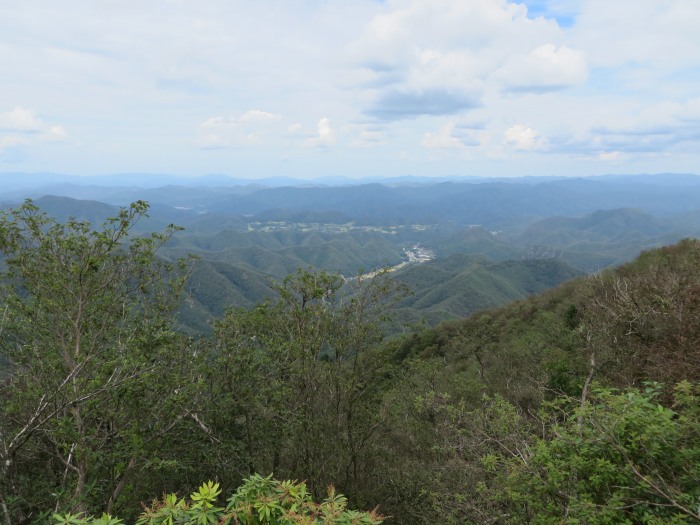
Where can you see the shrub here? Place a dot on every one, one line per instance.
(259, 501)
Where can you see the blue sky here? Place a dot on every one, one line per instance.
(311, 88)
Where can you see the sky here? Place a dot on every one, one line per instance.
(351, 88)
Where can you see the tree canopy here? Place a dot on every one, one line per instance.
(579, 405)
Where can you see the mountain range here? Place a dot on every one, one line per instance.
(488, 241)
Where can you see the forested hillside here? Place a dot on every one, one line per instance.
(467, 269)
(520, 235)
(578, 405)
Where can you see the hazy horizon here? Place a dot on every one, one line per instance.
(18, 179)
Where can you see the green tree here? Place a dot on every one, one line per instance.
(298, 380)
(621, 458)
(88, 352)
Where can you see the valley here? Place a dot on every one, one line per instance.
(459, 246)
(407, 341)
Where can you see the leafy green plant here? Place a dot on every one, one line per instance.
(266, 501)
(79, 519)
(623, 457)
(259, 501)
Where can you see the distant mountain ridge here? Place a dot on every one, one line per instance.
(491, 241)
(494, 204)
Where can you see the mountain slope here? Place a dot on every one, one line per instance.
(459, 285)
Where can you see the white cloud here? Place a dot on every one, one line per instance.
(662, 34)
(247, 129)
(545, 67)
(136, 77)
(325, 136)
(663, 116)
(391, 39)
(211, 141)
(610, 156)
(691, 111)
(253, 115)
(10, 141)
(664, 126)
(456, 51)
(523, 138)
(256, 115)
(295, 128)
(20, 120)
(443, 139)
(216, 121)
(21, 127)
(56, 134)
(369, 137)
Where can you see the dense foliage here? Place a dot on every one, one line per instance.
(88, 349)
(579, 405)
